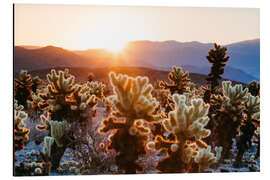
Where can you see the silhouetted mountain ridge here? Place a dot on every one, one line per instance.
(244, 64)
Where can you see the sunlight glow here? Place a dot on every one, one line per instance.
(117, 48)
(77, 27)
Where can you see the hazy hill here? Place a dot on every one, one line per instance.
(243, 66)
(229, 73)
(45, 57)
(245, 56)
(101, 74)
(31, 47)
(101, 57)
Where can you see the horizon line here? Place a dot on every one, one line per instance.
(194, 41)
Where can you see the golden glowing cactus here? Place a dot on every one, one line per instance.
(187, 123)
(60, 82)
(188, 120)
(57, 131)
(132, 97)
(179, 79)
(235, 94)
(20, 132)
(253, 106)
(96, 88)
(204, 158)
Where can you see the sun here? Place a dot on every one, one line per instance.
(116, 47)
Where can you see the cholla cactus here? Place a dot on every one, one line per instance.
(53, 97)
(48, 142)
(70, 108)
(253, 107)
(37, 100)
(205, 158)
(47, 154)
(57, 131)
(20, 132)
(229, 115)
(96, 88)
(218, 152)
(163, 97)
(254, 88)
(248, 126)
(215, 101)
(66, 100)
(132, 101)
(46, 122)
(236, 95)
(24, 86)
(179, 81)
(186, 122)
(132, 98)
(218, 58)
(61, 82)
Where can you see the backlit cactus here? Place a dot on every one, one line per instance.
(48, 142)
(96, 88)
(186, 122)
(218, 152)
(179, 80)
(229, 115)
(69, 107)
(134, 105)
(132, 98)
(57, 131)
(248, 126)
(46, 122)
(130, 126)
(218, 58)
(252, 107)
(236, 95)
(66, 100)
(205, 158)
(24, 86)
(20, 132)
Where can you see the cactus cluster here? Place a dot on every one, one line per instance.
(248, 126)
(69, 108)
(24, 86)
(20, 132)
(229, 115)
(65, 99)
(178, 126)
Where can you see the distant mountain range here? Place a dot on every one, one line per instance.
(243, 66)
(101, 74)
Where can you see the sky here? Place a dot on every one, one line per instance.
(79, 27)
